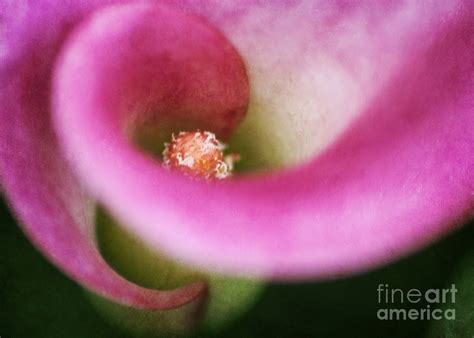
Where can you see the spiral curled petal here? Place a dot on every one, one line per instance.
(378, 95)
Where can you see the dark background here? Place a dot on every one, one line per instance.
(36, 300)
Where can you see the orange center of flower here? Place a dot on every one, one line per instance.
(198, 154)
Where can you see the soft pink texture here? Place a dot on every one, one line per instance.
(400, 176)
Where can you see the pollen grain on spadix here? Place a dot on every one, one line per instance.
(198, 154)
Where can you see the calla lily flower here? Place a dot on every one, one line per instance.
(363, 111)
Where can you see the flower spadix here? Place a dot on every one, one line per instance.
(198, 154)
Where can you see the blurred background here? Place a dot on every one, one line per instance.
(37, 300)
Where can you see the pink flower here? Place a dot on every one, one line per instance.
(370, 105)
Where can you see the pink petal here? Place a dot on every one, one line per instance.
(319, 71)
(397, 167)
